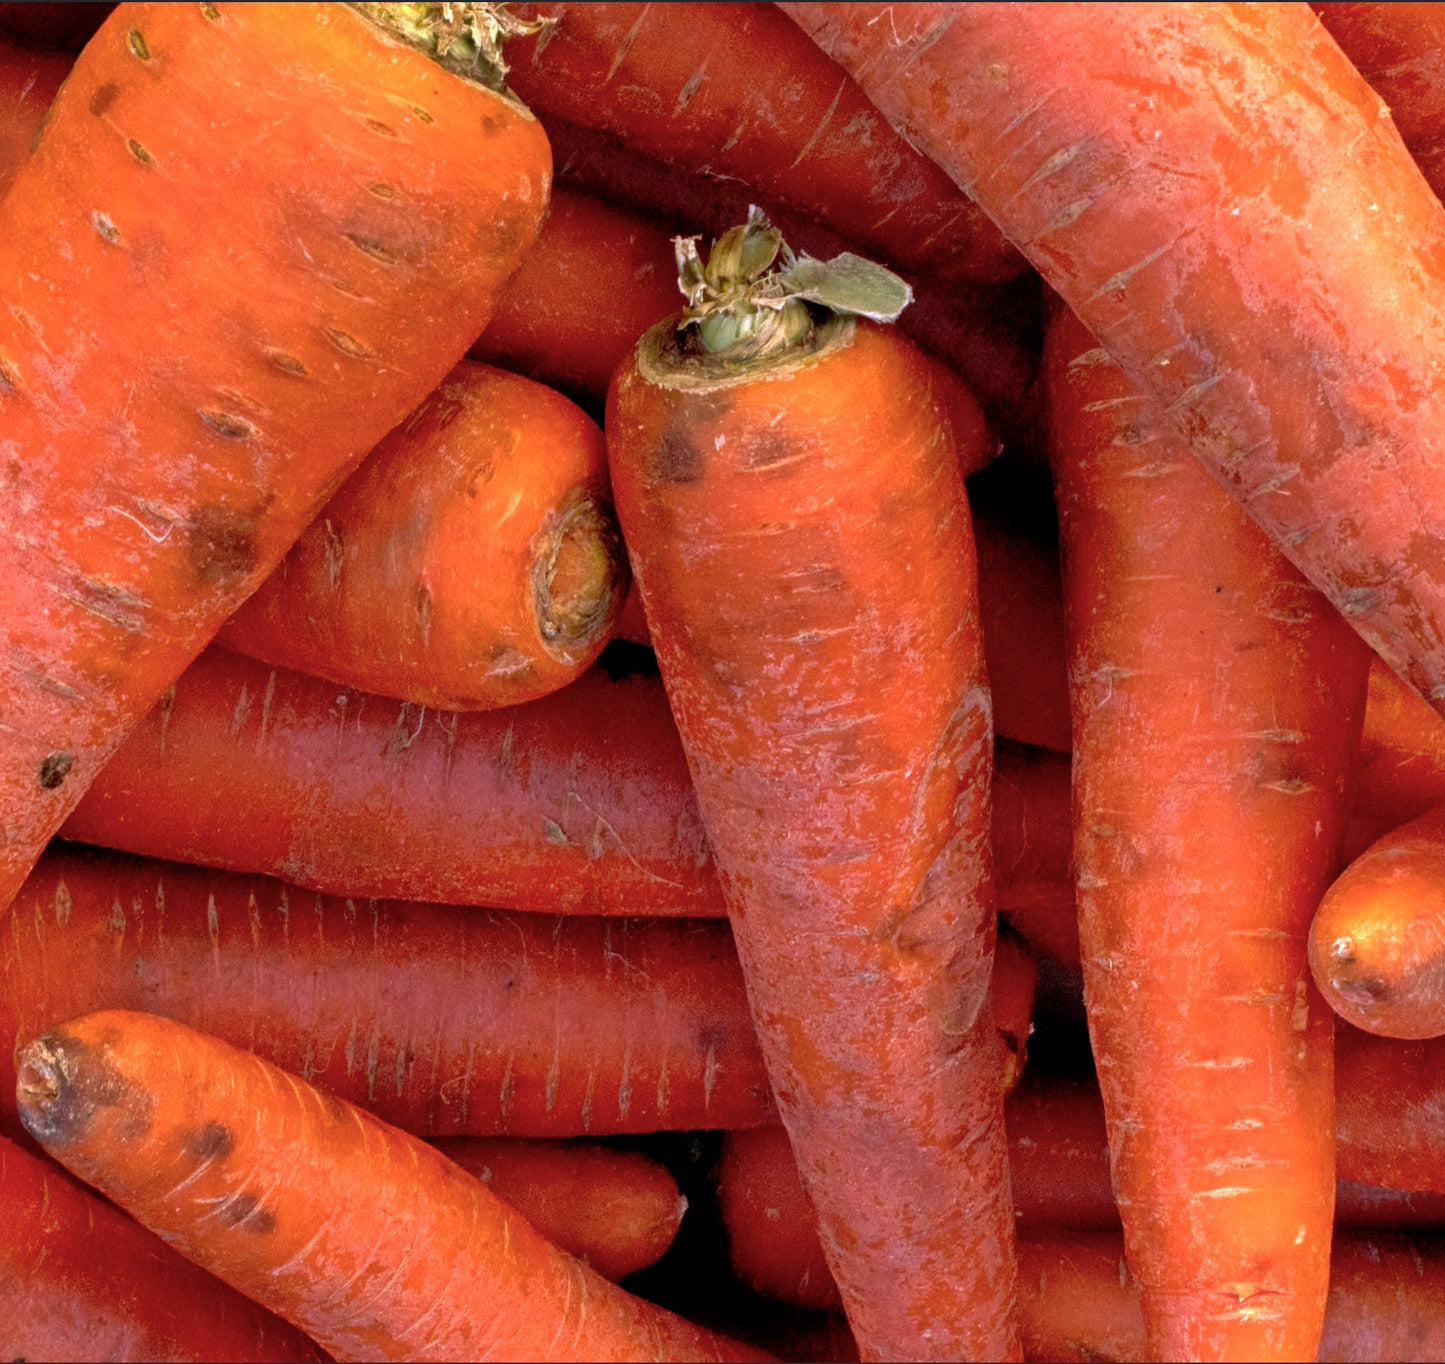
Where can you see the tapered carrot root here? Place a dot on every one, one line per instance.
(617, 1210)
(365, 1237)
(235, 297)
(1208, 810)
(473, 561)
(81, 1280)
(440, 1020)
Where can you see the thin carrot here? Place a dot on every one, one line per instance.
(28, 82)
(617, 1210)
(81, 1280)
(1191, 228)
(799, 529)
(243, 320)
(1217, 701)
(440, 1020)
(734, 89)
(365, 1237)
(473, 561)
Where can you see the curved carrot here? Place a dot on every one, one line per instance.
(1377, 942)
(736, 91)
(28, 82)
(439, 1020)
(368, 1239)
(244, 318)
(1191, 228)
(1217, 701)
(799, 530)
(81, 1280)
(473, 561)
(617, 1210)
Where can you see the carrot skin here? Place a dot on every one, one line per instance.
(367, 1238)
(1188, 267)
(845, 796)
(1208, 811)
(272, 335)
(617, 1210)
(442, 1021)
(81, 1280)
(472, 561)
(1401, 769)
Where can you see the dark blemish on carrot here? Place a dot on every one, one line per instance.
(423, 608)
(677, 459)
(348, 345)
(381, 189)
(102, 97)
(244, 1210)
(224, 424)
(378, 127)
(210, 1141)
(55, 769)
(286, 363)
(135, 40)
(140, 153)
(64, 1082)
(221, 544)
(372, 248)
(210, 12)
(105, 227)
(9, 380)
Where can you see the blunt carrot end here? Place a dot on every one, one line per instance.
(60, 1084)
(579, 576)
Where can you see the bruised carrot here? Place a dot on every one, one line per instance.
(617, 1210)
(363, 1236)
(798, 526)
(734, 89)
(28, 82)
(1217, 701)
(243, 320)
(473, 561)
(440, 1020)
(1193, 227)
(81, 1280)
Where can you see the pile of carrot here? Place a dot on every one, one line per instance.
(722, 682)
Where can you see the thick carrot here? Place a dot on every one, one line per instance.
(473, 561)
(1377, 942)
(243, 319)
(81, 1280)
(368, 1239)
(735, 91)
(1217, 700)
(28, 82)
(617, 1210)
(1401, 769)
(440, 1020)
(799, 529)
(1201, 181)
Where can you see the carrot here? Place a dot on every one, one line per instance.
(28, 82)
(442, 1021)
(243, 320)
(1012, 1000)
(798, 526)
(365, 1237)
(1389, 1101)
(1191, 233)
(1217, 700)
(473, 561)
(617, 1210)
(81, 1280)
(735, 91)
(1376, 940)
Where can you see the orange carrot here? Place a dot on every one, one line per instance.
(1217, 700)
(617, 1210)
(440, 1020)
(1377, 942)
(1192, 227)
(736, 91)
(473, 560)
(363, 1236)
(1390, 1098)
(28, 82)
(81, 1280)
(243, 319)
(798, 526)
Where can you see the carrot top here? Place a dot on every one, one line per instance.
(465, 39)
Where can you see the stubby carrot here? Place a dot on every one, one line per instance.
(617, 1210)
(798, 526)
(28, 82)
(1217, 700)
(473, 561)
(242, 319)
(1201, 181)
(733, 89)
(81, 1280)
(440, 1020)
(365, 1237)
(1377, 942)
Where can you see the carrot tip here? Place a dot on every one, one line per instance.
(63, 1083)
(579, 576)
